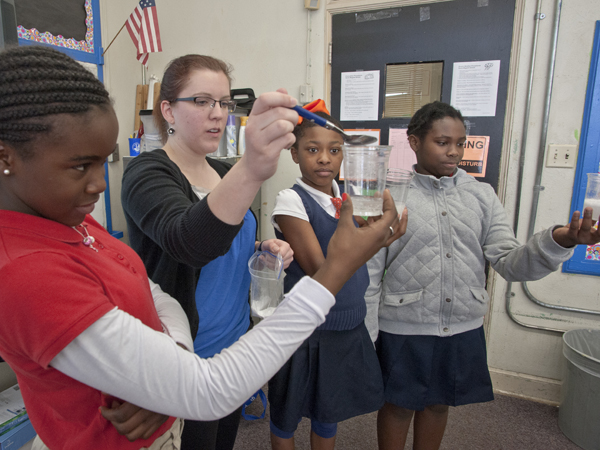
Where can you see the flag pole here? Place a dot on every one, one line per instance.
(113, 40)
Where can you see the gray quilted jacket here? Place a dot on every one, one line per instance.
(435, 280)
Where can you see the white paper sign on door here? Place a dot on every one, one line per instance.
(475, 88)
(359, 96)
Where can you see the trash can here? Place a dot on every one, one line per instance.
(579, 411)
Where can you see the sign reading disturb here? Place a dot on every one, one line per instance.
(474, 160)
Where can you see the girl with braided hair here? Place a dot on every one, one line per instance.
(81, 325)
(427, 312)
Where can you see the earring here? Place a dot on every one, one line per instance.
(170, 131)
(6, 172)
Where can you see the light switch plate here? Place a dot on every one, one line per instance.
(312, 4)
(114, 156)
(305, 93)
(561, 155)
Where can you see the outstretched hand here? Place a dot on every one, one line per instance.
(578, 231)
(132, 421)
(351, 247)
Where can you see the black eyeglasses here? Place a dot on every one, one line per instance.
(207, 102)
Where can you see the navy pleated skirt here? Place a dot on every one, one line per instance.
(419, 371)
(333, 376)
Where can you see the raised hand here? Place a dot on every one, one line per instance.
(578, 231)
(269, 130)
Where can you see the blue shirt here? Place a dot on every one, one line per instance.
(222, 294)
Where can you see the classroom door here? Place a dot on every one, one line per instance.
(447, 32)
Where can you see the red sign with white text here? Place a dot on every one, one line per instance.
(474, 160)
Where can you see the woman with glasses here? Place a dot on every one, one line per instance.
(172, 198)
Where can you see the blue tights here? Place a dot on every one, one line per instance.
(324, 430)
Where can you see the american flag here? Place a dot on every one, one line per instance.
(143, 29)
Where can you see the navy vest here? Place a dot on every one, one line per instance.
(350, 308)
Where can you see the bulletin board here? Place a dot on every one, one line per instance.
(71, 26)
(586, 260)
(450, 32)
(64, 17)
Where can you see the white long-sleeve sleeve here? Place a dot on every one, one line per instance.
(172, 317)
(122, 357)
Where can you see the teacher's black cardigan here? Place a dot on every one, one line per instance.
(174, 232)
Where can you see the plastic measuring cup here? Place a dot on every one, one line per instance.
(398, 182)
(266, 288)
(365, 170)
(592, 193)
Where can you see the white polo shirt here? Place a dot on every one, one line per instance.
(289, 203)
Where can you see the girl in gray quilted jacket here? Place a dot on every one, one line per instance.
(427, 312)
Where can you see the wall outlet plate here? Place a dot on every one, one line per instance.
(561, 155)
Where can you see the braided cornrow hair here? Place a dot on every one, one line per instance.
(38, 82)
(423, 119)
(299, 130)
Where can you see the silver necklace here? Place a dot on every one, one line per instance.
(88, 240)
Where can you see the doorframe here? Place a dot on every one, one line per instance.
(334, 7)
